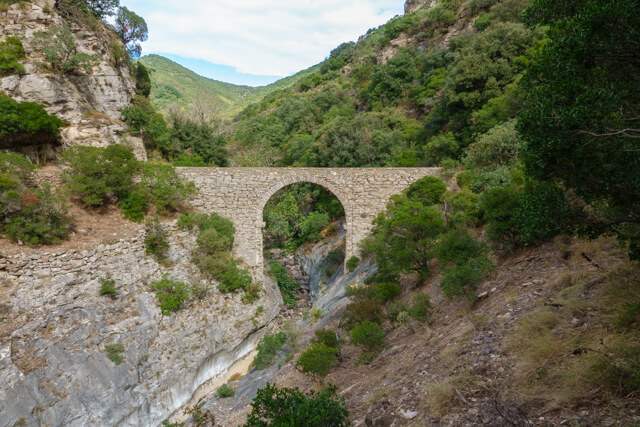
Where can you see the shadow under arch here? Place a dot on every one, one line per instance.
(343, 197)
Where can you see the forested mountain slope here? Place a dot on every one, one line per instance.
(180, 89)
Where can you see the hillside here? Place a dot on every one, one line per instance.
(176, 86)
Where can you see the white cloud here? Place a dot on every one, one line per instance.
(261, 37)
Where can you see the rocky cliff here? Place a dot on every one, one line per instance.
(55, 326)
(91, 103)
(413, 5)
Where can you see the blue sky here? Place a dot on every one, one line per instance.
(255, 42)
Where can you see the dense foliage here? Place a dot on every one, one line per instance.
(580, 120)
(213, 253)
(298, 213)
(171, 294)
(290, 407)
(101, 176)
(26, 123)
(11, 52)
(28, 213)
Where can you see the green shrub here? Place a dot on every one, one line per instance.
(108, 288)
(386, 291)
(156, 240)
(164, 188)
(482, 22)
(288, 286)
(395, 308)
(11, 52)
(327, 337)
(290, 407)
(352, 263)
(37, 216)
(440, 147)
(188, 221)
(171, 294)
(370, 337)
(428, 190)
(318, 359)
(100, 175)
(225, 391)
(457, 247)
(500, 207)
(27, 123)
(420, 308)
(114, 353)
(465, 209)
(362, 309)
(233, 278)
(311, 226)
(461, 280)
(184, 160)
(268, 346)
(134, 204)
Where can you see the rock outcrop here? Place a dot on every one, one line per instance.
(413, 5)
(54, 327)
(90, 103)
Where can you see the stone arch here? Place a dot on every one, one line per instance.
(343, 198)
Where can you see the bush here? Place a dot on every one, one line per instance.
(171, 294)
(461, 280)
(327, 337)
(268, 346)
(188, 221)
(11, 52)
(369, 336)
(108, 288)
(41, 217)
(164, 188)
(428, 190)
(27, 123)
(395, 309)
(464, 208)
(421, 307)
(290, 407)
(114, 353)
(352, 263)
(386, 291)
(318, 359)
(311, 226)
(233, 278)
(457, 247)
(155, 240)
(439, 148)
(100, 175)
(288, 286)
(225, 391)
(500, 206)
(362, 309)
(134, 204)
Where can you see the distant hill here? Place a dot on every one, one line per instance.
(174, 86)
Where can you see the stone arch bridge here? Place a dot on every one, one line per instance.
(241, 194)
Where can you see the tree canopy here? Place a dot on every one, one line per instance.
(581, 115)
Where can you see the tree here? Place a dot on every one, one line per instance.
(403, 235)
(132, 29)
(102, 8)
(581, 115)
(290, 407)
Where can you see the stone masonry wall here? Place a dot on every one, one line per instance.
(241, 194)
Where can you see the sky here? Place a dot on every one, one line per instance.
(255, 42)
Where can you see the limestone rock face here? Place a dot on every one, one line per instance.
(413, 5)
(74, 97)
(54, 327)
